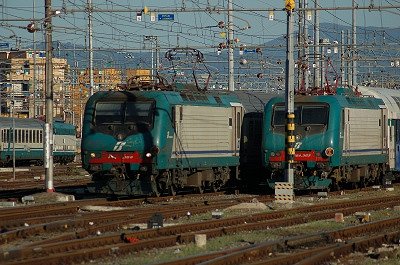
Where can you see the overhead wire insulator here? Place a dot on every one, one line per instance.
(243, 61)
(31, 27)
(309, 15)
(271, 15)
(138, 16)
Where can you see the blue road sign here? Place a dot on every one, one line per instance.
(4, 45)
(250, 51)
(165, 16)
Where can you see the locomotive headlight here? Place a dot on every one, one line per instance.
(148, 155)
(92, 155)
(329, 151)
(275, 154)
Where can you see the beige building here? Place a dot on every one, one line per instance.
(22, 77)
(22, 82)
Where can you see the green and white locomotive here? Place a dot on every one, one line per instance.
(340, 139)
(160, 141)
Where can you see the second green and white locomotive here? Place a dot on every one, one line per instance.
(340, 139)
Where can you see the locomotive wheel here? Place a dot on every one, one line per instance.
(154, 189)
(200, 189)
(335, 186)
(156, 193)
(362, 183)
(214, 188)
(172, 190)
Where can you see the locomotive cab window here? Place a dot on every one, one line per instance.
(279, 116)
(139, 112)
(127, 112)
(314, 115)
(109, 112)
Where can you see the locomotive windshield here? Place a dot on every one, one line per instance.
(127, 112)
(304, 115)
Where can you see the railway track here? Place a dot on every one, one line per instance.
(82, 246)
(28, 172)
(63, 216)
(305, 250)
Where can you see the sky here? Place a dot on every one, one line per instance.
(123, 31)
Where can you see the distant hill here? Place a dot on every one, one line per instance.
(270, 60)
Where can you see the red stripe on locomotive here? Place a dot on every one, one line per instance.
(300, 156)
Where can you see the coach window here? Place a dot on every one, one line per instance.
(40, 137)
(27, 136)
(30, 136)
(23, 136)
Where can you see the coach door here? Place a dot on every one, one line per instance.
(237, 117)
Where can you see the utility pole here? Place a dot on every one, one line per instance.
(342, 51)
(154, 59)
(349, 69)
(231, 80)
(90, 28)
(306, 49)
(35, 113)
(284, 191)
(354, 42)
(300, 44)
(48, 133)
(317, 54)
(289, 87)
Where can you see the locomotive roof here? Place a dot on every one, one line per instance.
(346, 100)
(7, 122)
(58, 127)
(253, 101)
(391, 97)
